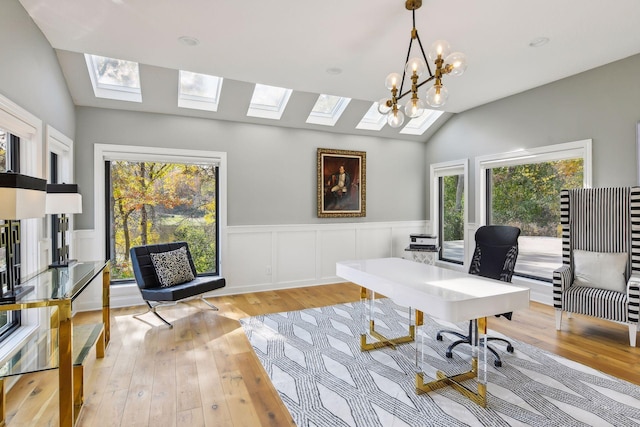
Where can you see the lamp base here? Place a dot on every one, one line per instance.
(15, 294)
(63, 264)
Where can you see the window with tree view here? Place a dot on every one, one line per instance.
(153, 202)
(9, 151)
(452, 218)
(528, 196)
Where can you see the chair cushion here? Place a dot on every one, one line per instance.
(596, 302)
(197, 286)
(172, 267)
(603, 270)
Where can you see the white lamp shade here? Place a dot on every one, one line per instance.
(64, 203)
(20, 203)
(22, 196)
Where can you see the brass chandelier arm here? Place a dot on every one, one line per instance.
(418, 67)
(413, 5)
(417, 87)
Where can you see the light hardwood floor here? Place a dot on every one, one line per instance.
(203, 372)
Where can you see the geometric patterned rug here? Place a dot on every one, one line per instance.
(314, 360)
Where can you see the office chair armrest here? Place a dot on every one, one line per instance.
(562, 280)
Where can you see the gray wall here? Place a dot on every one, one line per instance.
(271, 170)
(602, 104)
(30, 74)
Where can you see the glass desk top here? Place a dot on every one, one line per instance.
(61, 283)
(39, 351)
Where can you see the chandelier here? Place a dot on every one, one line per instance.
(445, 63)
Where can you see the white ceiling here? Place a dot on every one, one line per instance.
(292, 43)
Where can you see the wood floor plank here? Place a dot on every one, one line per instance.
(203, 372)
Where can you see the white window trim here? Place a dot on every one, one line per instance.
(28, 127)
(329, 119)
(268, 111)
(437, 170)
(103, 152)
(62, 145)
(568, 150)
(118, 93)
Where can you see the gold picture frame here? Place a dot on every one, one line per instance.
(342, 183)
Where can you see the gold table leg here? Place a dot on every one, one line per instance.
(382, 340)
(106, 317)
(455, 381)
(3, 404)
(65, 368)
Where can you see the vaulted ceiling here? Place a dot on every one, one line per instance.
(334, 47)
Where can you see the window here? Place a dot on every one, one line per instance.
(199, 91)
(451, 209)
(60, 171)
(372, 119)
(154, 202)
(327, 110)
(523, 189)
(114, 78)
(9, 320)
(268, 102)
(54, 218)
(419, 125)
(449, 212)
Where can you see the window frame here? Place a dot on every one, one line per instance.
(61, 146)
(564, 151)
(18, 121)
(110, 152)
(436, 171)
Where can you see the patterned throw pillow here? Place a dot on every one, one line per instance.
(172, 267)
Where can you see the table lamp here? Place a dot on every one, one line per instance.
(22, 197)
(63, 199)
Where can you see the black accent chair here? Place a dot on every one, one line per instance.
(494, 257)
(153, 294)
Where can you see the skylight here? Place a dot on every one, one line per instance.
(114, 78)
(268, 102)
(372, 120)
(327, 110)
(199, 91)
(419, 125)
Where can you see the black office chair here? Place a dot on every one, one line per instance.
(494, 257)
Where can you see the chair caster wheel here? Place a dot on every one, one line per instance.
(439, 337)
(497, 363)
(510, 348)
(449, 354)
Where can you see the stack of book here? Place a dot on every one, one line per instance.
(424, 242)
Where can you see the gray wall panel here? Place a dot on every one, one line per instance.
(602, 104)
(271, 170)
(30, 74)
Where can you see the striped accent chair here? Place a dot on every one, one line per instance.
(601, 220)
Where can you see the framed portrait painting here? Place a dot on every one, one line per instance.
(342, 183)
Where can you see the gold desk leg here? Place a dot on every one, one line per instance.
(442, 380)
(3, 404)
(106, 316)
(78, 389)
(65, 368)
(384, 341)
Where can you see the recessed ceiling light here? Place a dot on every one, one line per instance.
(189, 41)
(539, 41)
(334, 71)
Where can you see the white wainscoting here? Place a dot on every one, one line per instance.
(268, 257)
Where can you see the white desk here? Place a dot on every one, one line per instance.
(442, 293)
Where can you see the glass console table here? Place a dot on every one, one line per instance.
(57, 344)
